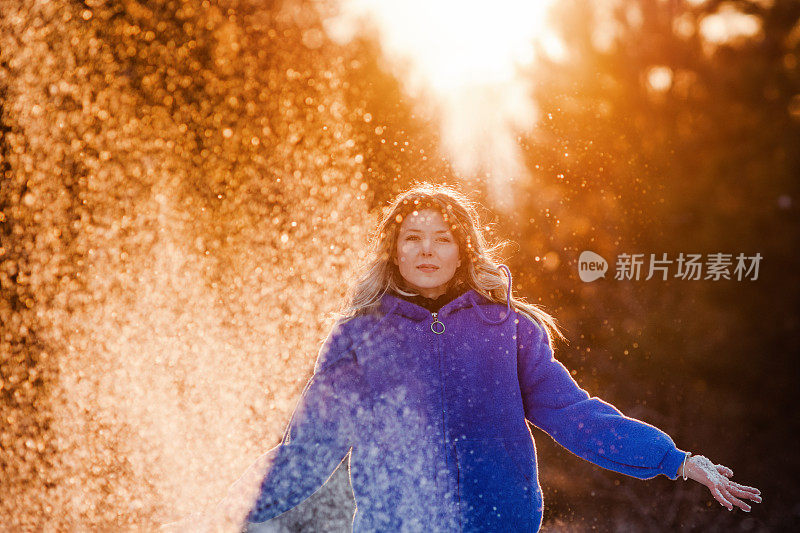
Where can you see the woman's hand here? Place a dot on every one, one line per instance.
(715, 477)
(223, 516)
(193, 522)
(201, 522)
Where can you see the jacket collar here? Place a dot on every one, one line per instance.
(394, 304)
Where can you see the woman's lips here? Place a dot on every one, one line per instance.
(428, 268)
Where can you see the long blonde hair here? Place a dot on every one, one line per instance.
(479, 268)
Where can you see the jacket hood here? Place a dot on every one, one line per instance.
(471, 298)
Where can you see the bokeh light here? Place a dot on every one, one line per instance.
(181, 197)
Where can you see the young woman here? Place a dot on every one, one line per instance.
(427, 380)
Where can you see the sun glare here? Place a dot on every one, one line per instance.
(459, 44)
(464, 60)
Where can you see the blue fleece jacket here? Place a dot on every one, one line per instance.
(434, 418)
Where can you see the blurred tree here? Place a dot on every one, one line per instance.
(656, 140)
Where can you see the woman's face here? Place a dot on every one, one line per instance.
(427, 252)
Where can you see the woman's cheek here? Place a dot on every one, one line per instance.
(404, 252)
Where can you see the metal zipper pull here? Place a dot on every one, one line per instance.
(434, 327)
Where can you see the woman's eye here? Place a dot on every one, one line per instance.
(416, 237)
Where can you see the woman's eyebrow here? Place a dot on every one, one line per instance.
(420, 231)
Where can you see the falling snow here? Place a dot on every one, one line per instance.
(175, 175)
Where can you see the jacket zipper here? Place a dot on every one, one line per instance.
(436, 326)
(439, 329)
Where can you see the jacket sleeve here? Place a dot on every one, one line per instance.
(587, 426)
(318, 436)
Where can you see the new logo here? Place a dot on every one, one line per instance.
(591, 266)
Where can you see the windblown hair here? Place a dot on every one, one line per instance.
(479, 268)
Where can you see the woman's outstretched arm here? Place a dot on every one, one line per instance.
(594, 429)
(318, 437)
